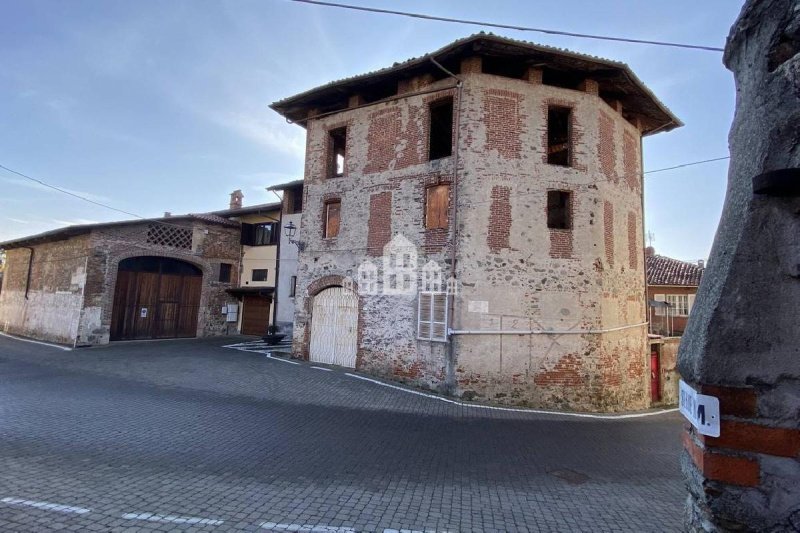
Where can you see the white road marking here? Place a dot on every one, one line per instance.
(305, 528)
(323, 368)
(282, 360)
(245, 347)
(46, 506)
(512, 409)
(150, 517)
(22, 339)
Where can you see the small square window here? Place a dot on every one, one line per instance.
(558, 136)
(225, 270)
(437, 206)
(260, 274)
(338, 144)
(332, 215)
(559, 214)
(440, 134)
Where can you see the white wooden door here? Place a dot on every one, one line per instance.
(334, 327)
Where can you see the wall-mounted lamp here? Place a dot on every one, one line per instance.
(290, 230)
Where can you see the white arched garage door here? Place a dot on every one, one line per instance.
(334, 327)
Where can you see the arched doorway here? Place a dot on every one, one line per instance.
(334, 327)
(155, 298)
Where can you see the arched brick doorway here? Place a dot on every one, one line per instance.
(155, 298)
(334, 328)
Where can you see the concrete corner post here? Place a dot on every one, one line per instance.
(742, 343)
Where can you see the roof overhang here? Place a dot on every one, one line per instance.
(264, 292)
(616, 80)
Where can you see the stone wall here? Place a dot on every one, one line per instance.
(515, 273)
(52, 309)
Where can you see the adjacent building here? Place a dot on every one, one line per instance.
(472, 223)
(260, 246)
(140, 279)
(671, 288)
(291, 216)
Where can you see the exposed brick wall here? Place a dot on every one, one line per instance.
(607, 148)
(499, 228)
(380, 222)
(504, 122)
(561, 243)
(567, 372)
(630, 161)
(633, 247)
(384, 131)
(608, 231)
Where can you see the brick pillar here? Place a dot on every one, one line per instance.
(743, 338)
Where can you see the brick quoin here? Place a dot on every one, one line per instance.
(499, 228)
(607, 148)
(729, 469)
(748, 437)
(379, 227)
(608, 230)
(633, 249)
(734, 401)
(630, 161)
(504, 122)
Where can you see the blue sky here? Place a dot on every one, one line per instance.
(154, 106)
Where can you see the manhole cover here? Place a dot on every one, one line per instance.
(570, 476)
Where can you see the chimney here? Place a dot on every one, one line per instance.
(236, 199)
(701, 263)
(649, 251)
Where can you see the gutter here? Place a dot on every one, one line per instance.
(30, 268)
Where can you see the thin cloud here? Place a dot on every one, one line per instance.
(39, 187)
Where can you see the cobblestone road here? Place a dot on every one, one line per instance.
(190, 436)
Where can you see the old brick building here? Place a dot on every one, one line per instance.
(155, 278)
(514, 169)
(671, 288)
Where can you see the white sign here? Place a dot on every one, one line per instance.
(143, 312)
(478, 306)
(700, 409)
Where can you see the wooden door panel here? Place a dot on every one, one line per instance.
(255, 315)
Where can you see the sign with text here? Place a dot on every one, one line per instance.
(700, 409)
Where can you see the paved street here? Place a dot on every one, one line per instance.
(189, 435)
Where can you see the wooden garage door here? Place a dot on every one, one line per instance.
(334, 327)
(155, 298)
(255, 314)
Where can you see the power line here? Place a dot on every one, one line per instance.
(511, 27)
(687, 164)
(78, 196)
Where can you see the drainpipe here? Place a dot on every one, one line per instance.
(450, 379)
(30, 268)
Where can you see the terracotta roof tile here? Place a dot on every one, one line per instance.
(667, 271)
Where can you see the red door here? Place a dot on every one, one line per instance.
(655, 377)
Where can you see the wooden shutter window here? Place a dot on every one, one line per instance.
(332, 217)
(437, 206)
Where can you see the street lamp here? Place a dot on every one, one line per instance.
(290, 230)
